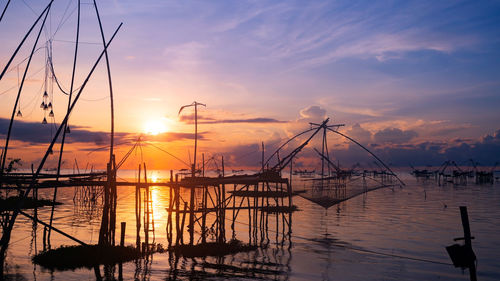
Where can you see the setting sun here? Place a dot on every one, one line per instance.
(155, 127)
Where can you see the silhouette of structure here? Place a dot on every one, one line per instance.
(213, 204)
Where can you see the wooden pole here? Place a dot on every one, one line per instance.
(195, 139)
(191, 215)
(25, 37)
(204, 202)
(138, 210)
(262, 157)
(182, 223)
(122, 233)
(70, 94)
(112, 108)
(204, 216)
(249, 217)
(4, 9)
(223, 207)
(6, 147)
(177, 209)
(53, 228)
(169, 222)
(234, 214)
(146, 210)
(104, 230)
(113, 199)
(468, 240)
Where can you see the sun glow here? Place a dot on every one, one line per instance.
(154, 178)
(155, 127)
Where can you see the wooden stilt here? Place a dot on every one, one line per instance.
(122, 233)
(146, 210)
(138, 210)
(177, 208)
(183, 220)
(468, 240)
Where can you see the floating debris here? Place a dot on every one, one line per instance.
(11, 203)
(279, 209)
(212, 249)
(271, 194)
(72, 257)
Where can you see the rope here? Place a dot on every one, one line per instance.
(126, 156)
(161, 149)
(105, 147)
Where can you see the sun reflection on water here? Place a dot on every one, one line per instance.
(159, 199)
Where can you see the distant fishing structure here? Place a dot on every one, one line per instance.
(449, 172)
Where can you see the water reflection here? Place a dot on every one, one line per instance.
(410, 221)
(272, 263)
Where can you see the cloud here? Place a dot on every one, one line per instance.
(394, 135)
(315, 34)
(210, 120)
(174, 136)
(485, 150)
(309, 114)
(313, 112)
(37, 133)
(250, 155)
(360, 134)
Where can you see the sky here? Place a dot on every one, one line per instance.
(417, 82)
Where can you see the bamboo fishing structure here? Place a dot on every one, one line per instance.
(213, 205)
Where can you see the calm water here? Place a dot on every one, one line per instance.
(417, 221)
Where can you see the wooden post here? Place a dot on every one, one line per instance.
(217, 212)
(234, 210)
(249, 217)
(170, 207)
(191, 215)
(146, 209)
(182, 223)
(223, 208)
(114, 199)
(122, 233)
(262, 157)
(255, 212)
(138, 210)
(468, 240)
(204, 216)
(177, 208)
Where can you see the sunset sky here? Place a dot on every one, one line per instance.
(415, 81)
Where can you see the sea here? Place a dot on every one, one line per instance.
(392, 233)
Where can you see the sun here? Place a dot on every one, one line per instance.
(155, 127)
(154, 178)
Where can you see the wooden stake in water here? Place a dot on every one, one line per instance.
(138, 210)
(468, 240)
(122, 233)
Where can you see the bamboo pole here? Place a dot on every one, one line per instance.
(223, 207)
(138, 210)
(146, 210)
(183, 220)
(171, 205)
(6, 147)
(204, 202)
(177, 208)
